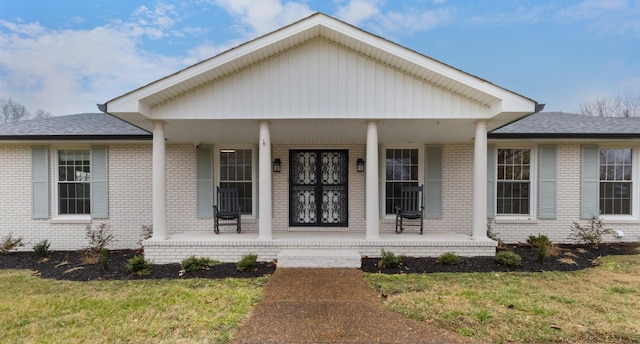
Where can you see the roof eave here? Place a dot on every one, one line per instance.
(75, 137)
(608, 136)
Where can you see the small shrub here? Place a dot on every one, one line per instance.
(104, 259)
(590, 234)
(99, 238)
(42, 248)
(194, 263)
(247, 262)
(390, 260)
(10, 243)
(139, 265)
(542, 244)
(449, 258)
(508, 258)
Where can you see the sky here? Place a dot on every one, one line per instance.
(67, 56)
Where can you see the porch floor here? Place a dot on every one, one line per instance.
(230, 246)
(428, 236)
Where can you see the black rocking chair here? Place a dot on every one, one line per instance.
(227, 208)
(410, 209)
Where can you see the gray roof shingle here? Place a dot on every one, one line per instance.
(569, 125)
(73, 127)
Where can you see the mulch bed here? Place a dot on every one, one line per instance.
(568, 258)
(68, 265)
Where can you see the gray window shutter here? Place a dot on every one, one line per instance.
(589, 182)
(547, 203)
(204, 183)
(491, 181)
(40, 182)
(99, 182)
(433, 182)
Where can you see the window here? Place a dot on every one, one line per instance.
(236, 172)
(74, 182)
(513, 182)
(615, 181)
(402, 170)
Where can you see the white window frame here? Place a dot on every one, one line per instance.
(254, 173)
(533, 183)
(383, 172)
(635, 188)
(73, 218)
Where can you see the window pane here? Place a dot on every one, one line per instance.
(512, 187)
(235, 172)
(616, 175)
(401, 170)
(74, 176)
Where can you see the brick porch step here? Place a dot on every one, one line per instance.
(318, 258)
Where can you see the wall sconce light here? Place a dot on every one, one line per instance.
(276, 165)
(360, 165)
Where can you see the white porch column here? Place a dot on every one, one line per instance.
(159, 203)
(479, 231)
(265, 183)
(371, 183)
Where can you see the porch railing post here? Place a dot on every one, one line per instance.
(265, 183)
(479, 230)
(371, 183)
(159, 183)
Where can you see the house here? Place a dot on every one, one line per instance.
(318, 125)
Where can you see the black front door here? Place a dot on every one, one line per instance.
(318, 182)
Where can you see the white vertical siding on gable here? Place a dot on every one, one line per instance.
(319, 80)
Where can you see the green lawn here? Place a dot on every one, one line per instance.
(35, 310)
(600, 305)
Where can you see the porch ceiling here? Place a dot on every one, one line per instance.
(320, 131)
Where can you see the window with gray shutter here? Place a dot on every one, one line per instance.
(433, 182)
(491, 181)
(547, 203)
(589, 180)
(99, 182)
(204, 183)
(40, 182)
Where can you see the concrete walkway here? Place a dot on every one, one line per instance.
(302, 305)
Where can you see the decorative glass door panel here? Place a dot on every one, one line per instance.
(318, 188)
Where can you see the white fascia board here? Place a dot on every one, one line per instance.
(512, 103)
(128, 104)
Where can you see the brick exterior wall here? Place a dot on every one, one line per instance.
(568, 211)
(162, 252)
(130, 195)
(129, 199)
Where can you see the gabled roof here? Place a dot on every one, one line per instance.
(569, 125)
(333, 30)
(86, 126)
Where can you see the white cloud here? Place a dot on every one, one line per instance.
(357, 11)
(68, 71)
(605, 16)
(264, 16)
(412, 21)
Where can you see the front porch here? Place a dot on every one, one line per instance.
(230, 247)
